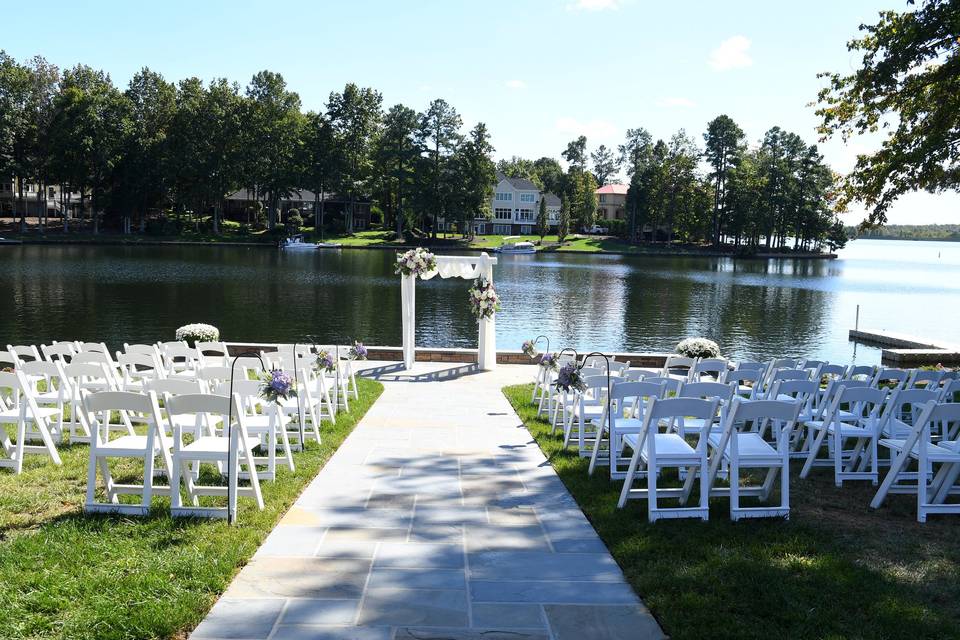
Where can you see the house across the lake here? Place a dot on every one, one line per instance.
(52, 201)
(514, 208)
(612, 202)
(239, 203)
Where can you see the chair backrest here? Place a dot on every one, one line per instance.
(715, 366)
(24, 352)
(795, 388)
(752, 366)
(50, 372)
(723, 392)
(893, 410)
(214, 374)
(80, 373)
(864, 403)
(139, 365)
(672, 384)
(745, 411)
(143, 407)
(246, 389)
(891, 378)
(672, 408)
(618, 368)
(212, 348)
(833, 371)
(789, 374)
(741, 376)
(168, 387)
(635, 375)
(678, 364)
(91, 346)
(924, 378)
(635, 396)
(10, 389)
(8, 360)
(861, 371)
(598, 362)
(586, 372)
(596, 385)
(172, 344)
(784, 363)
(61, 351)
(949, 391)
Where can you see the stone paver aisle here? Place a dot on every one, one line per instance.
(437, 518)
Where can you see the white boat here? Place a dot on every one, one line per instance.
(329, 245)
(297, 243)
(516, 247)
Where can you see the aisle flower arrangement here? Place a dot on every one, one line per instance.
(276, 385)
(569, 378)
(529, 349)
(324, 363)
(484, 301)
(549, 361)
(698, 348)
(357, 351)
(415, 262)
(198, 332)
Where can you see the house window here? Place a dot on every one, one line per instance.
(525, 229)
(527, 197)
(524, 214)
(502, 214)
(504, 197)
(603, 198)
(479, 228)
(501, 229)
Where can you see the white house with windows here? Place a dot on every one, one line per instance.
(514, 206)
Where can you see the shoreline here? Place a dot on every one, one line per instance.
(444, 248)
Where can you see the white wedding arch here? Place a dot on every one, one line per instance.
(467, 267)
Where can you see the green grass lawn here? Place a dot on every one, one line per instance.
(67, 575)
(836, 569)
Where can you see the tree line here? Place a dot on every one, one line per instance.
(157, 147)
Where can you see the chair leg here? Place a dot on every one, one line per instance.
(815, 446)
(628, 481)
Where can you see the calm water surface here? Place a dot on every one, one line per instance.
(754, 309)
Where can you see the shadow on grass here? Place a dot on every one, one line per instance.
(836, 569)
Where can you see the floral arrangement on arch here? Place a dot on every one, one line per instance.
(357, 351)
(698, 348)
(484, 301)
(415, 262)
(324, 363)
(276, 385)
(550, 361)
(198, 332)
(569, 378)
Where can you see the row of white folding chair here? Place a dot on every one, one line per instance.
(174, 453)
(19, 408)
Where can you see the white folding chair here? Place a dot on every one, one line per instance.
(588, 405)
(891, 379)
(213, 354)
(709, 370)
(137, 407)
(19, 407)
(804, 394)
(862, 426)
(24, 352)
(61, 351)
(747, 449)
(628, 403)
(214, 449)
(678, 367)
(746, 382)
(82, 379)
(49, 389)
(179, 359)
(136, 369)
(705, 391)
(938, 464)
(654, 451)
(264, 421)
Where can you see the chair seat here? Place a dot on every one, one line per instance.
(948, 451)
(126, 446)
(261, 422)
(13, 415)
(750, 447)
(211, 446)
(670, 447)
(851, 430)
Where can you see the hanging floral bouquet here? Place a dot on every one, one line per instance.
(415, 262)
(529, 349)
(277, 385)
(484, 301)
(324, 362)
(549, 361)
(357, 351)
(569, 378)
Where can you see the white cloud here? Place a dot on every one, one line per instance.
(594, 5)
(516, 84)
(676, 102)
(731, 54)
(590, 128)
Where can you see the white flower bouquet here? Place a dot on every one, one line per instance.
(198, 332)
(484, 301)
(415, 262)
(698, 348)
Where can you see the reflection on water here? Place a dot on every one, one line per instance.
(754, 309)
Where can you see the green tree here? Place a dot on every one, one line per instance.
(907, 85)
(542, 224)
(724, 141)
(440, 131)
(576, 154)
(477, 174)
(321, 163)
(355, 117)
(604, 164)
(563, 225)
(397, 155)
(636, 151)
(836, 236)
(548, 174)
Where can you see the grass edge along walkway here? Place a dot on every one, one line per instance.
(834, 570)
(67, 575)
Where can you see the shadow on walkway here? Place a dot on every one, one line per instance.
(397, 373)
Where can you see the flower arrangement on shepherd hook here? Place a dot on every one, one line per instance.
(569, 378)
(357, 351)
(324, 363)
(276, 385)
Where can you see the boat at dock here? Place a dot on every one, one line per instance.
(516, 248)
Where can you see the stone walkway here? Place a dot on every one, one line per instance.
(438, 518)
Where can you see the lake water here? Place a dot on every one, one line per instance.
(753, 308)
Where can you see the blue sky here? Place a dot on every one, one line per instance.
(538, 72)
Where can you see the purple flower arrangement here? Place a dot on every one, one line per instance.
(549, 361)
(529, 349)
(357, 351)
(484, 301)
(277, 385)
(415, 262)
(569, 378)
(324, 362)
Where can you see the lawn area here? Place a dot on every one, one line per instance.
(67, 575)
(836, 569)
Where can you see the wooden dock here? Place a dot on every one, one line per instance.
(903, 350)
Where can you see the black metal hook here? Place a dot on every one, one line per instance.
(231, 453)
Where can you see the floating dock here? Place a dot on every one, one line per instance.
(903, 350)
